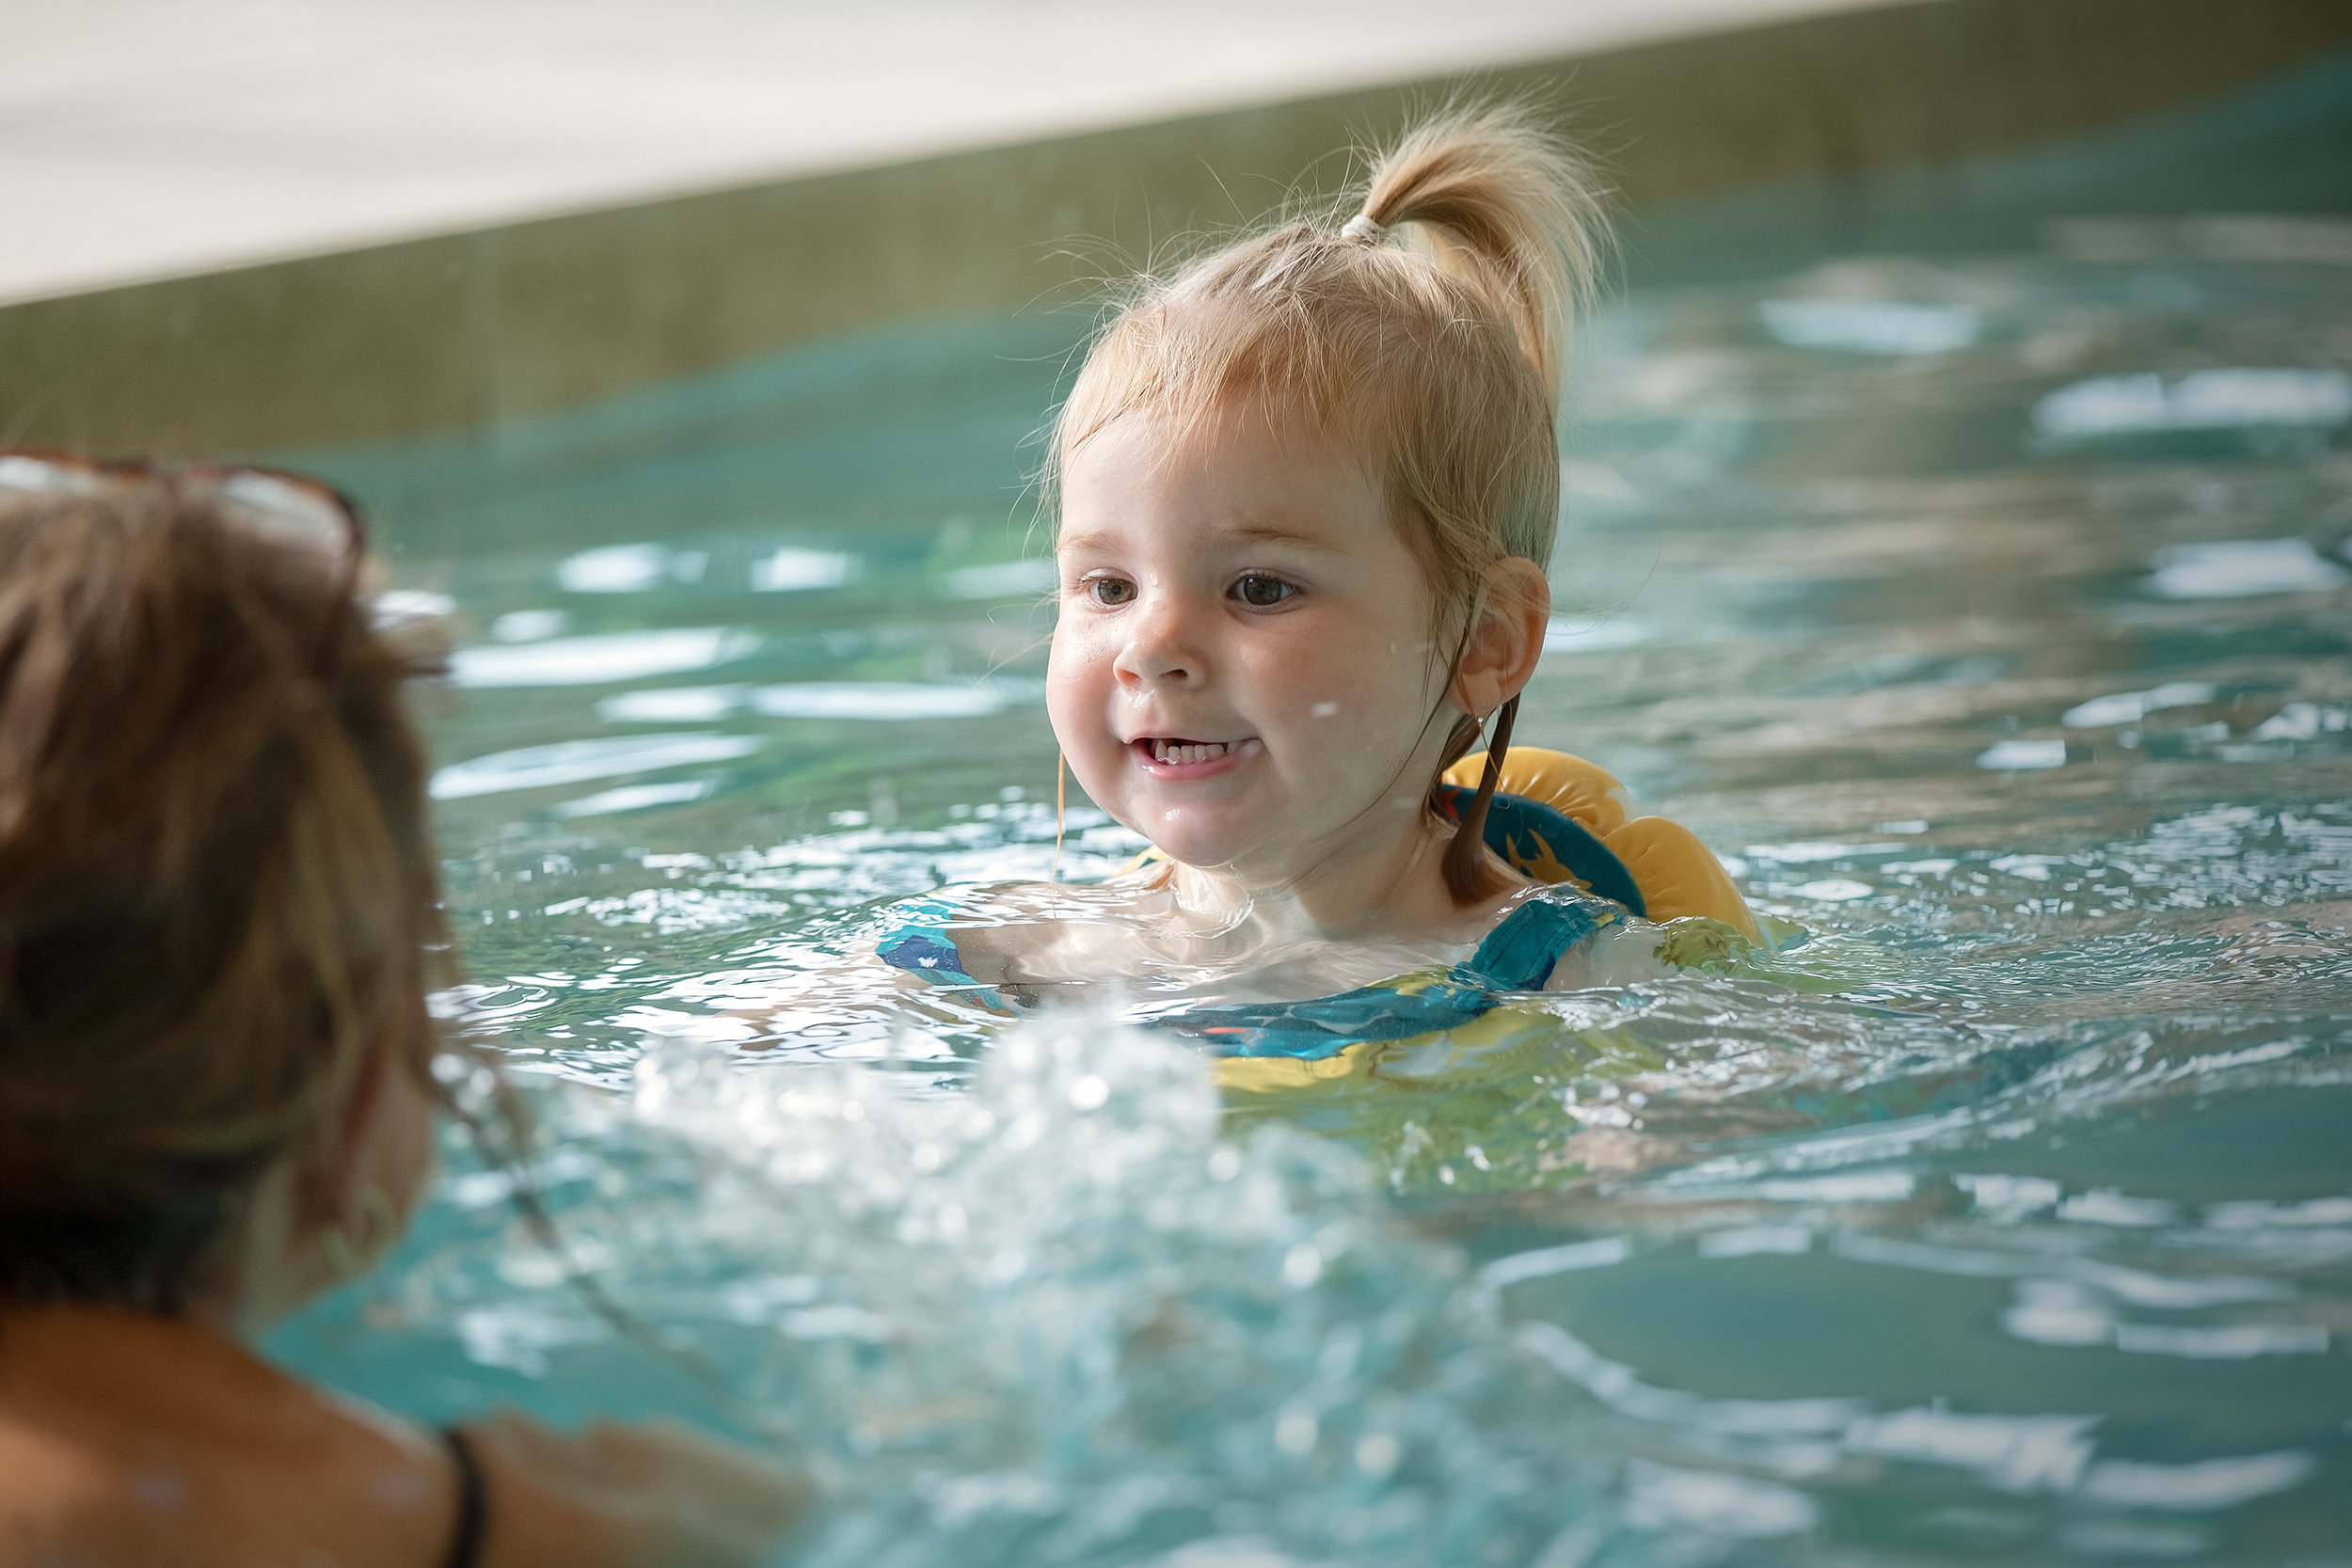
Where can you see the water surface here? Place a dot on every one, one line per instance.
(1990, 613)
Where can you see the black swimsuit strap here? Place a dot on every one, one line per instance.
(473, 1502)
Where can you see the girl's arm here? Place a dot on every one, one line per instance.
(947, 958)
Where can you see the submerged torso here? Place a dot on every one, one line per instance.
(1032, 942)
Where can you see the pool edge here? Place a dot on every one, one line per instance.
(463, 329)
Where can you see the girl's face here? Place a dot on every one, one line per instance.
(1242, 670)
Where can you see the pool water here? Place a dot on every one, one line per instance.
(1990, 613)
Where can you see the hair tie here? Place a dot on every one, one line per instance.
(1361, 227)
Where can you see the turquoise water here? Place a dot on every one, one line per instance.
(1989, 611)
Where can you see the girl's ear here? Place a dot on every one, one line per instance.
(1499, 658)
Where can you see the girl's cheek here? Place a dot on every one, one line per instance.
(1080, 653)
(1073, 654)
(1077, 710)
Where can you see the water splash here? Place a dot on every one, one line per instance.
(1055, 1318)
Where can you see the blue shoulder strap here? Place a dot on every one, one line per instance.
(1520, 952)
(1548, 844)
(920, 939)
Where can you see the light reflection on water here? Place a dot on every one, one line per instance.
(1988, 614)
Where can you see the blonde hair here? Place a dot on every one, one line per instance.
(1427, 335)
(217, 880)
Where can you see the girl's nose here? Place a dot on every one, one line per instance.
(1157, 651)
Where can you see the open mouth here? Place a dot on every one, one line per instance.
(1182, 755)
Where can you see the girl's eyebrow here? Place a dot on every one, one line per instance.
(1247, 533)
(1276, 533)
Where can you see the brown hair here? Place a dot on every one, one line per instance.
(216, 880)
(1428, 336)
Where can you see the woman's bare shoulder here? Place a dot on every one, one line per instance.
(129, 1437)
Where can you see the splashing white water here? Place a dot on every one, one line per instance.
(1054, 1318)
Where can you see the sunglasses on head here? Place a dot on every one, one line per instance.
(279, 507)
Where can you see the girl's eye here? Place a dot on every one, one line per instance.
(1262, 592)
(1110, 592)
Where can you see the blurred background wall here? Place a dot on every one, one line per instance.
(251, 224)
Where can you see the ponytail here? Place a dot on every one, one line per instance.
(1510, 208)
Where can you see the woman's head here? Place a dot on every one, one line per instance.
(1416, 348)
(217, 894)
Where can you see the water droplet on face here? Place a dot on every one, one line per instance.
(1324, 710)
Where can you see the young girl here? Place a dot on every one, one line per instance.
(1307, 491)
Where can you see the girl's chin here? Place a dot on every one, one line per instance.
(1196, 843)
